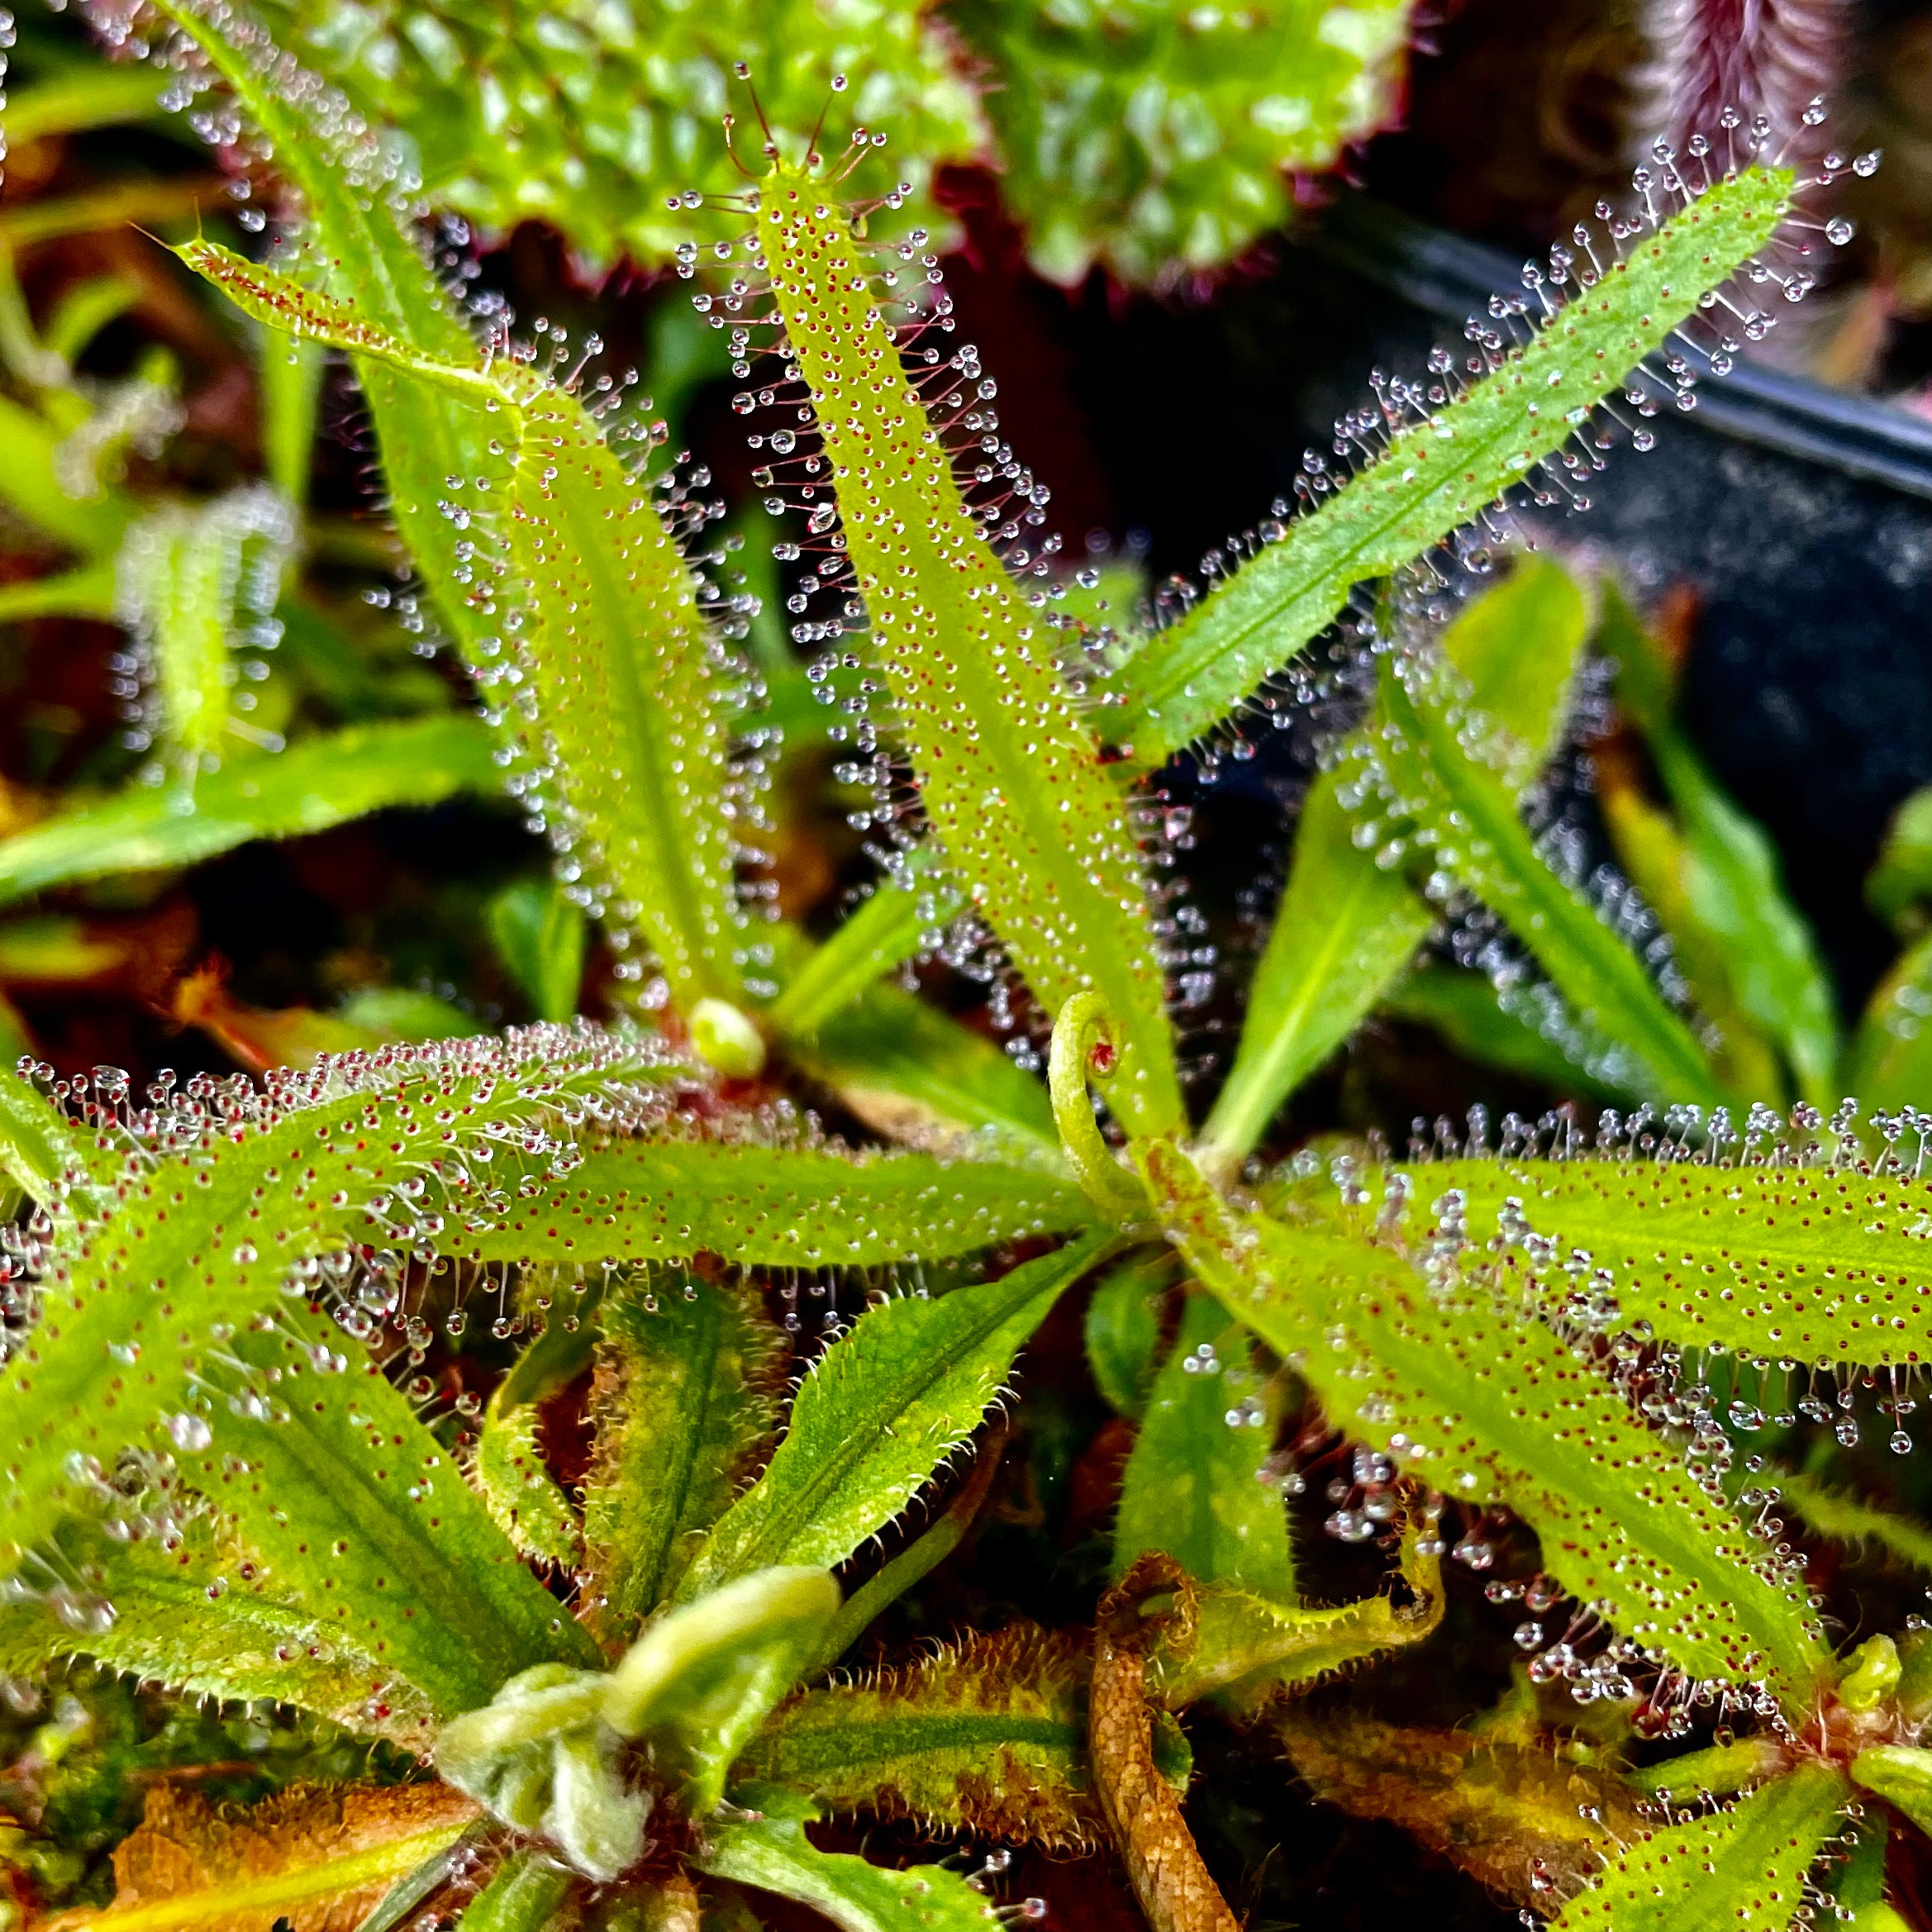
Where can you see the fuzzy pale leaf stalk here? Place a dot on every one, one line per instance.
(1008, 772)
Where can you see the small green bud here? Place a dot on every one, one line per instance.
(1871, 1675)
(728, 1038)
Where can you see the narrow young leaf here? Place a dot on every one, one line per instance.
(516, 1486)
(1745, 1867)
(779, 1206)
(988, 1733)
(1849, 1519)
(629, 690)
(323, 780)
(358, 1513)
(772, 1853)
(882, 1408)
(523, 1894)
(1347, 925)
(920, 1077)
(682, 1400)
(202, 1620)
(540, 935)
(1192, 1486)
(1487, 1408)
(891, 926)
(43, 1152)
(1902, 1774)
(1460, 808)
(701, 1679)
(1123, 1325)
(1889, 1064)
(138, 1307)
(1030, 823)
(1821, 1264)
(1438, 474)
(196, 586)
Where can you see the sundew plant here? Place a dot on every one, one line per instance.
(636, 1681)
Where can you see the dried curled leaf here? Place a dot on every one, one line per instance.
(1165, 1866)
(316, 1857)
(1517, 1818)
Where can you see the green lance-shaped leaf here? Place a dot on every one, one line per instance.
(682, 1398)
(1193, 1486)
(895, 922)
(1729, 900)
(540, 935)
(201, 1618)
(1901, 879)
(1902, 1774)
(359, 1513)
(771, 1207)
(1347, 925)
(630, 691)
(1463, 1010)
(523, 1498)
(1030, 822)
(701, 1679)
(523, 1894)
(1817, 1263)
(197, 589)
(1422, 779)
(138, 1305)
(48, 1155)
(1743, 1868)
(1438, 474)
(323, 780)
(1122, 1329)
(918, 1076)
(1850, 1519)
(1890, 1061)
(773, 1853)
(882, 1409)
(1488, 1409)
(989, 1734)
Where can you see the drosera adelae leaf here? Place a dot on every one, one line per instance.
(357, 1510)
(322, 781)
(525, 1501)
(1490, 1409)
(197, 594)
(156, 1613)
(1424, 776)
(227, 1191)
(1745, 1866)
(771, 1205)
(682, 1399)
(1347, 923)
(881, 1411)
(1191, 1485)
(770, 1851)
(1444, 461)
(623, 691)
(1823, 1263)
(1009, 777)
